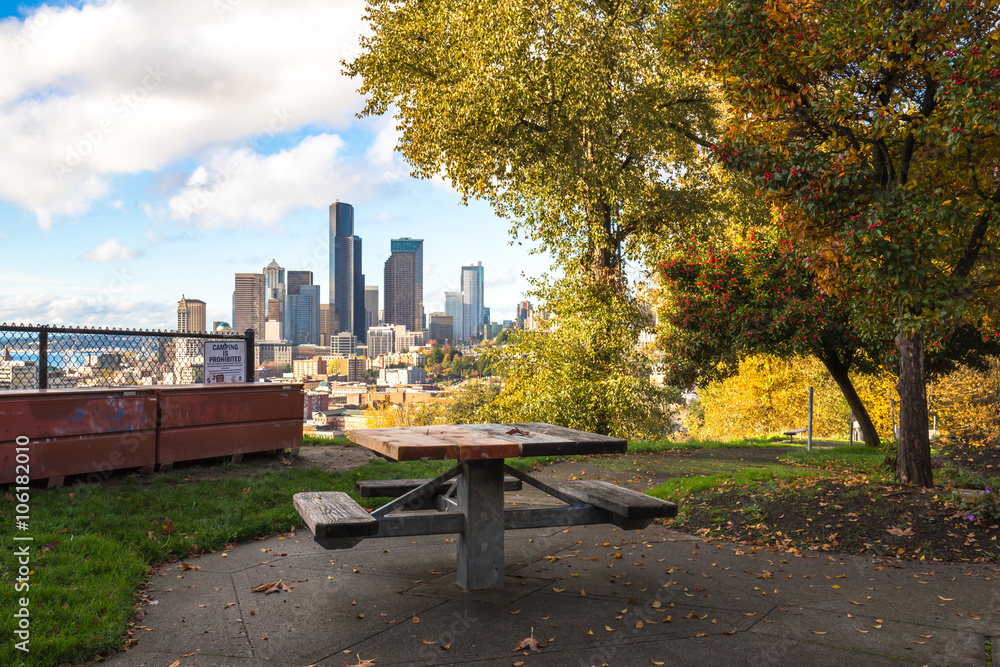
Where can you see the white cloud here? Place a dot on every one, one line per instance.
(240, 186)
(129, 86)
(106, 309)
(110, 251)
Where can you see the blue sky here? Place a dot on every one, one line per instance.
(154, 149)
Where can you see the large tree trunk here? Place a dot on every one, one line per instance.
(914, 463)
(838, 371)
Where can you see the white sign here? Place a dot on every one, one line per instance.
(225, 361)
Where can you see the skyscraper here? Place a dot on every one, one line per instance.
(347, 282)
(472, 301)
(190, 319)
(453, 306)
(371, 306)
(190, 315)
(297, 278)
(248, 304)
(404, 284)
(302, 313)
(274, 288)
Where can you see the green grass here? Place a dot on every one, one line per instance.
(866, 460)
(683, 487)
(669, 445)
(320, 441)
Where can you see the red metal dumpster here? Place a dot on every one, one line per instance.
(76, 431)
(202, 421)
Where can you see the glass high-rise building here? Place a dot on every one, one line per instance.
(372, 318)
(404, 284)
(302, 313)
(347, 282)
(472, 301)
(453, 306)
(297, 278)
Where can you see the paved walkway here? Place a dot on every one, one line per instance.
(593, 595)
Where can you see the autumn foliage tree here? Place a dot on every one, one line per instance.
(872, 127)
(723, 303)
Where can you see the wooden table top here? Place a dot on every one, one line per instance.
(483, 441)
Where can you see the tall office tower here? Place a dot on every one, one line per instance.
(190, 315)
(453, 306)
(248, 304)
(372, 318)
(302, 311)
(325, 324)
(298, 278)
(404, 284)
(347, 282)
(486, 319)
(190, 319)
(472, 301)
(274, 288)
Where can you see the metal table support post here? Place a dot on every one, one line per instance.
(480, 546)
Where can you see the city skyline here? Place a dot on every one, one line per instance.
(130, 161)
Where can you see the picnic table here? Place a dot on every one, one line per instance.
(468, 499)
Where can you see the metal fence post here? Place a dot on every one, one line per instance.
(248, 336)
(43, 358)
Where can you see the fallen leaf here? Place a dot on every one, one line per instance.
(185, 566)
(427, 641)
(817, 632)
(273, 587)
(900, 533)
(529, 642)
(945, 599)
(926, 636)
(361, 663)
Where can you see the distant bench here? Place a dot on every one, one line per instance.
(794, 432)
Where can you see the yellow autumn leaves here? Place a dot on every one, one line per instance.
(770, 395)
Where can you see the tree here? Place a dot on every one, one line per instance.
(723, 304)
(873, 128)
(567, 117)
(723, 301)
(583, 368)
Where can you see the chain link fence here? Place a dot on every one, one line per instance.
(48, 357)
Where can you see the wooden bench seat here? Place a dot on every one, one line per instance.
(631, 508)
(335, 519)
(394, 488)
(793, 432)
